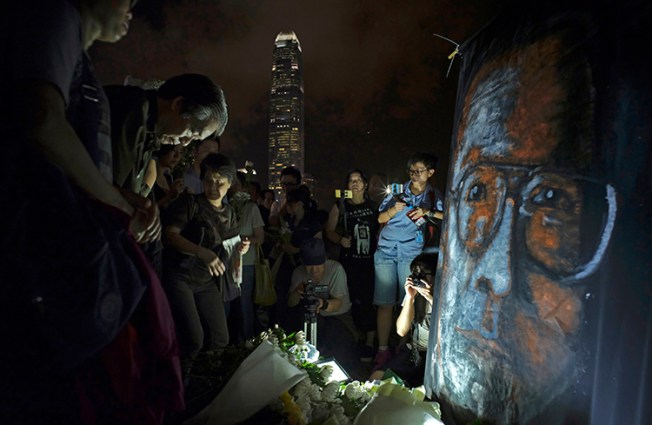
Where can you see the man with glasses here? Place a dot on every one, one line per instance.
(184, 108)
(401, 239)
(530, 220)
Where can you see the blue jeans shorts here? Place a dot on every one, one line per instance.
(390, 275)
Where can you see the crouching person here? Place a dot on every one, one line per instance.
(319, 285)
(414, 320)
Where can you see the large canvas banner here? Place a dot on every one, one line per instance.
(545, 279)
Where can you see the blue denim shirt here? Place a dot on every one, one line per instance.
(400, 237)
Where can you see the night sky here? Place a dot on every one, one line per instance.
(374, 75)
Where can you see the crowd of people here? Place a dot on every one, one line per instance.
(119, 267)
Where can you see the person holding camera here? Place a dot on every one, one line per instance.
(353, 226)
(320, 285)
(409, 364)
(403, 217)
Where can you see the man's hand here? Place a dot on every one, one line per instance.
(398, 206)
(417, 213)
(145, 224)
(244, 245)
(320, 305)
(215, 265)
(345, 242)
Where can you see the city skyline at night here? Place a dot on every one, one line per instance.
(286, 108)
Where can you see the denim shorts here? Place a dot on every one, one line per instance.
(390, 275)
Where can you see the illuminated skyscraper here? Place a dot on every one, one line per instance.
(286, 112)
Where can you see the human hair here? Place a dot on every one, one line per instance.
(363, 176)
(302, 194)
(164, 150)
(242, 178)
(428, 159)
(213, 138)
(291, 171)
(217, 163)
(423, 263)
(201, 97)
(256, 186)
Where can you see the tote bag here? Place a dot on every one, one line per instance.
(264, 292)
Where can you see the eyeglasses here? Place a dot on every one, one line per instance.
(562, 222)
(416, 173)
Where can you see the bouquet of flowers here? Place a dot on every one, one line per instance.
(319, 400)
(278, 370)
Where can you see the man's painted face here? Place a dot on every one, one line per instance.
(518, 245)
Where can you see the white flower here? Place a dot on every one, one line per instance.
(337, 413)
(330, 392)
(320, 411)
(326, 372)
(305, 405)
(306, 388)
(353, 390)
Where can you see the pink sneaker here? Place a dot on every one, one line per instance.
(382, 357)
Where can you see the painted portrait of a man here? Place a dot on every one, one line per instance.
(531, 218)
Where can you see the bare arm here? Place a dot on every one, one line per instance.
(385, 216)
(404, 321)
(333, 216)
(334, 304)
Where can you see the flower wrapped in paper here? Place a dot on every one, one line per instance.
(261, 378)
(394, 403)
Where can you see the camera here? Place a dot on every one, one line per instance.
(417, 280)
(343, 194)
(313, 293)
(316, 291)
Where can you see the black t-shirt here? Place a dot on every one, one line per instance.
(360, 223)
(202, 224)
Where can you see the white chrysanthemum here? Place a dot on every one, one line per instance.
(354, 390)
(320, 411)
(330, 392)
(305, 404)
(337, 413)
(326, 372)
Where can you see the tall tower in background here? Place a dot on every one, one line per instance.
(286, 112)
